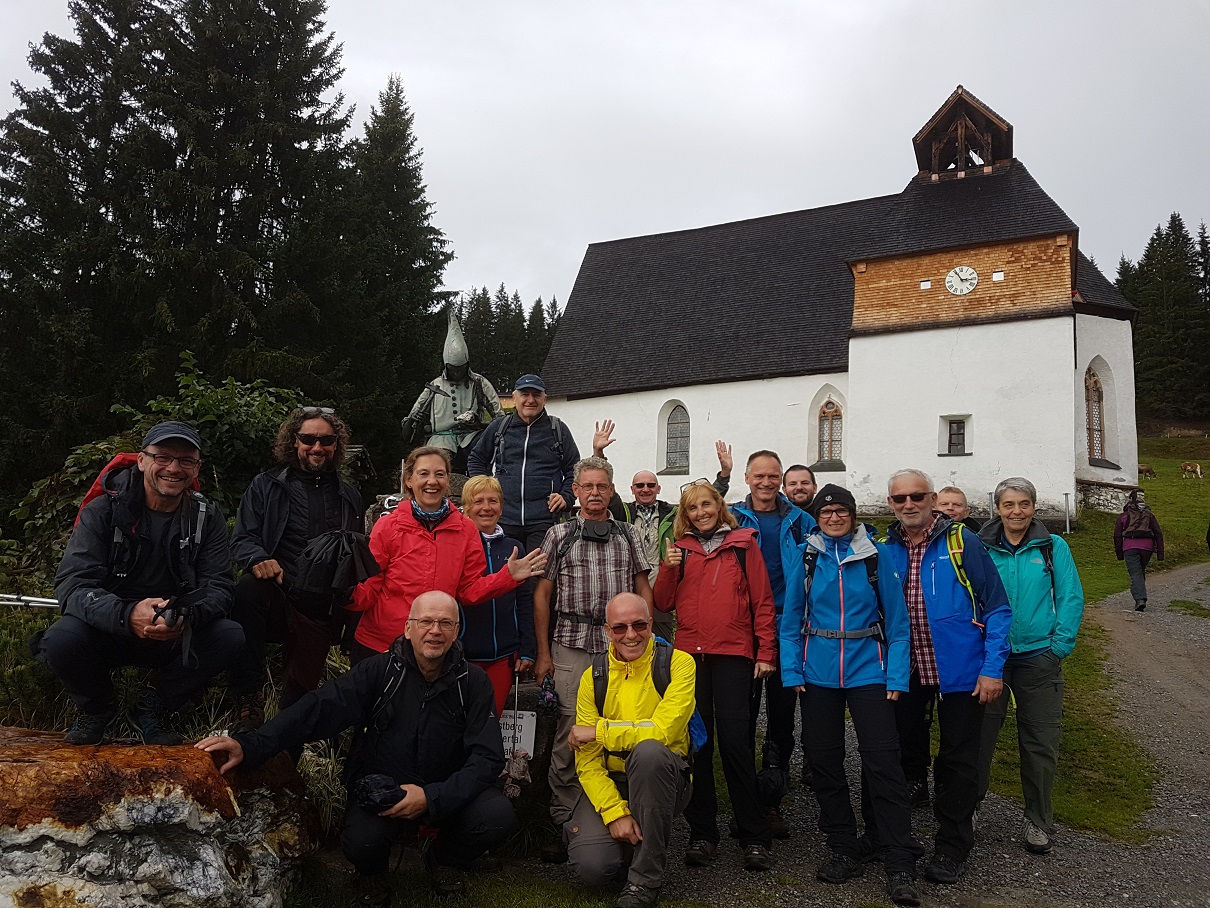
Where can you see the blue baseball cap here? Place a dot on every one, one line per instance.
(533, 382)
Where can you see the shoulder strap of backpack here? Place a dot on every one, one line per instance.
(556, 426)
(391, 682)
(1048, 561)
(498, 445)
(796, 532)
(871, 572)
(600, 680)
(661, 667)
(568, 541)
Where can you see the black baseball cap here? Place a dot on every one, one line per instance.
(162, 432)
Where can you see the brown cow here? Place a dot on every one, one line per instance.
(1145, 471)
(1191, 470)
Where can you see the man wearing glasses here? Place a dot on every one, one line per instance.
(145, 581)
(299, 498)
(959, 642)
(631, 744)
(426, 727)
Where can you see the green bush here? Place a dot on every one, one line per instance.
(237, 421)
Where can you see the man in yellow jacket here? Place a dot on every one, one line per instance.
(631, 758)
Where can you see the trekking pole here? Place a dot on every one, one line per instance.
(16, 601)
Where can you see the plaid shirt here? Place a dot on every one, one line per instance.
(587, 576)
(924, 658)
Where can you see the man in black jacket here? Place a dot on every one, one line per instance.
(283, 509)
(146, 581)
(533, 456)
(425, 718)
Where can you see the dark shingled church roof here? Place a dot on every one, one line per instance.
(773, 296)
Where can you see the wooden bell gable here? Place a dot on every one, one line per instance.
(963, 137)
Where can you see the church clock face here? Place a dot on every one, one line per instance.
(961, 280)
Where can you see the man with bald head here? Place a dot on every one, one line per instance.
(426, 726)
(631, 741)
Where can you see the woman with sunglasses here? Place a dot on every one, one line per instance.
(427, 544)
(844, 643)
(715, 579)
(497, 635)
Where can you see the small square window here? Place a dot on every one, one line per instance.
(997, 275)
(954, 437)
(925, 285)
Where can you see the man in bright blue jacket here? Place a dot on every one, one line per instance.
(781, 528)
(959, 616)
(1047, 599)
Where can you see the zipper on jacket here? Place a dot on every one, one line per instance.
(840, 582)
(524, 461)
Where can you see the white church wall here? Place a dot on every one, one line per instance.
(776, 414)
(1012, 381)
(1107, 345)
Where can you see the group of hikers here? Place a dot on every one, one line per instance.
(665, 629)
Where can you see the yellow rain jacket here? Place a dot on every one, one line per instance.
(634, 712)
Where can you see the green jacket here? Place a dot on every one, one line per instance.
(1045, 592)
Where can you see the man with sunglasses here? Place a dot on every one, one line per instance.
(145, 581)
(284, 508)
(631, 757)
(426, 750)
(959, 642)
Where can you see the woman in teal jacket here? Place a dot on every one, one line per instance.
(844, 642)
(1047, 602)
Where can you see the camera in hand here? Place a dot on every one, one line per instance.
(596, 530)
(179, 609)
(376, 792)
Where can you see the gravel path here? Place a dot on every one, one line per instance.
(1159, 662)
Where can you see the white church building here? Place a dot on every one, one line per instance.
(954, 327)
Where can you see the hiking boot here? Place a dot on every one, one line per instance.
(88, 729)
(249, 713)
(636, 896)
(777, 825)
(152, 721)
(757, 857)
(901, 887)
(1036, 839)
(1140, 605)
(840, 869)
(867, 851)
(944, 869)
(447, 882)
(918, 792)
(553, 852)
(371, 890)
(700, 853)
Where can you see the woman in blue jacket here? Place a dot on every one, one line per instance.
(1047, 600)
(844, 642)
(497, 635)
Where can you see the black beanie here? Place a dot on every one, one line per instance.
(832, 494)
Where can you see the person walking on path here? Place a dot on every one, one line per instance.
(1136, 537)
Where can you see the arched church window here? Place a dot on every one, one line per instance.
(677, 435)
(1094, 406)
(830, 430)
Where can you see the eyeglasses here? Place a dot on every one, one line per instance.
(915, 496)
(639, 627)
(307, 439)
(317, 411)
(427, 624)
(645, 485)
(591, 487)
(164, 460)
(833, 513)
(696, 482)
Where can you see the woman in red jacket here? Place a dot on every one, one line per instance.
(715, 578)
(427, 544)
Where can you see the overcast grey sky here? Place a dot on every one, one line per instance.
(550, 124)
